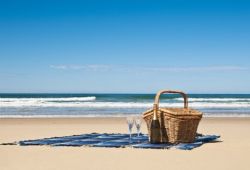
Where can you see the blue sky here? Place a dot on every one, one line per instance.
(125, 46)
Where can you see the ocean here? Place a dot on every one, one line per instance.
(117, 105)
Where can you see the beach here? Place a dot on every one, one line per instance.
(74, 73)
(230, 153)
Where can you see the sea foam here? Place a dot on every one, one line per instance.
(92, 104)
(114, 105)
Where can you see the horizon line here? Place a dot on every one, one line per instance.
(248, 93)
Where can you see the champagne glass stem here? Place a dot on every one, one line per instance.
(130, 135)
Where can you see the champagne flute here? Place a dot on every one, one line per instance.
(130, 122)
(138, 125)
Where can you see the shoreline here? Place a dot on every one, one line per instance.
(111, 117)
(106, 116)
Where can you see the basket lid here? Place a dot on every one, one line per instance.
(181, 111)
(174, 112)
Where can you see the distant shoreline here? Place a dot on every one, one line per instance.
(107, 117)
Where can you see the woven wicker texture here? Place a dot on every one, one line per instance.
(177, 124)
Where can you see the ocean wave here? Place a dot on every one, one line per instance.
(122, 105)
(215, 99)
(93, 98)
(39, 100)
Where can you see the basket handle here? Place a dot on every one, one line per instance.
(157, 97)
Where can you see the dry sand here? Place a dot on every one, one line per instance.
(233, 152)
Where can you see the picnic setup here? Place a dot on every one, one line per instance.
(167, 128)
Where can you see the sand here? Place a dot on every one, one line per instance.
(233, 152)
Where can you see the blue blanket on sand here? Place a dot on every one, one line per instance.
(116, 140)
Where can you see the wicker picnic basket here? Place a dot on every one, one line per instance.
(178, 125)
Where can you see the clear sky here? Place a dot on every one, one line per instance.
(125, 46)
